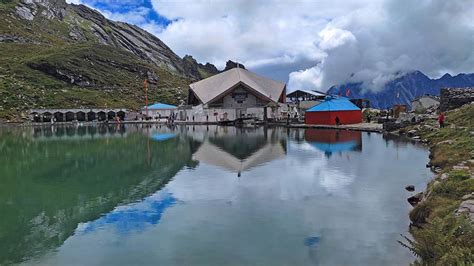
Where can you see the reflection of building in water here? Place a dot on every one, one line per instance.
(296, 134)
(162, 136)
(239, 150)
(79, 132)
(333, 141)
(160, 132)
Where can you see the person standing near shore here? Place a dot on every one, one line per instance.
(441, 119)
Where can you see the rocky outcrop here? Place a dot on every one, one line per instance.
(231, 64)
(392, 125)
(64, 74)
(84, 24)
(209, 68)
(69, 75)
(452, 98)
(424, 103)
(197, 70)
(127, 37)
(415, 199)
(467, 206)
(6, 38)
(50, 9)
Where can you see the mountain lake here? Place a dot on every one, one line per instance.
(205, 195)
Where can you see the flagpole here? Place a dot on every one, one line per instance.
(145, 84)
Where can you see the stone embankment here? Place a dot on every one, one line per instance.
(423, 131)
(443, 216)
(467, 206)
(452, 98)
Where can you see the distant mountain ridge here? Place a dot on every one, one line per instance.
(403, 89)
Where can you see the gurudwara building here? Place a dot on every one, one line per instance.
(233, 94)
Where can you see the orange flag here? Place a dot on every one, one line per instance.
(145, 84)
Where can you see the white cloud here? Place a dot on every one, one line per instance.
(431, 36)
(304, 79)
(281, 34)
(317, 44)
(332, 37)
(76, 2)
(136, 16)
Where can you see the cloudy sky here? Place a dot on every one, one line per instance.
(312, 44)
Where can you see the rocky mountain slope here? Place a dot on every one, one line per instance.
(403, 89)
(63, 55)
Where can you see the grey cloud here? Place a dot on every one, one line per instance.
(282, 39)
(432, 36)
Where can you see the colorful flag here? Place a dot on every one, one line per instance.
(145, 84)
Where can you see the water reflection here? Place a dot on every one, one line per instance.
(132, 217)
(308, 196)
(334, 141)
(52, 179)
(76, 132)
(238, 150)
(162, 136)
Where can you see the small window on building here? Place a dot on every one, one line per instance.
(240, 97)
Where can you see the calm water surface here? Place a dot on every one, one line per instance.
(204, 196)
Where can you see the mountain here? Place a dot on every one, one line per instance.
(54, 54)
(403, 89)
(231, 64)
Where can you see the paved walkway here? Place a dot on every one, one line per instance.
(371, 127)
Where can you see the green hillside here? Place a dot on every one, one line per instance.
(442, 235)
(65, 56)
(30, 78)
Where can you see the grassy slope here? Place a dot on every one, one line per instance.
(7, 3)
(22, 87)
(117, 75)
(441, 236)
